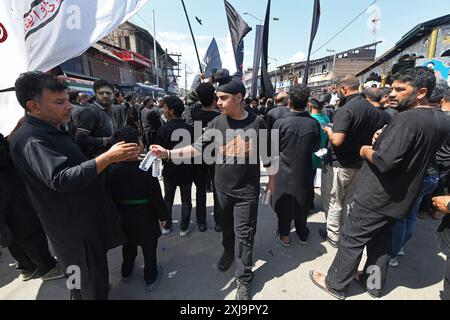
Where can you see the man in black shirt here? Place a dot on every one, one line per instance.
(66, 189)
(390, 180)
(206, 95)
(374, 96)
(176, 175)
(235, 135)
(281, 108)
(354, 125)
(96, 124)
(151, 122)
(299, 138)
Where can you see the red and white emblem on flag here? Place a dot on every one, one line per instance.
(3, 33)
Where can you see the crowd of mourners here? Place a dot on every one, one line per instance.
(70, 174)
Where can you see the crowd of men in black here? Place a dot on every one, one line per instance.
(70, 172)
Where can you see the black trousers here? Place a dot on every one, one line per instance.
(186, 203)
(238, 219)
(94, 280)
(362, 228)
(200, 181)
(29, 245)
(202, 175)
(443, 238)
(289, 208)
(129, 254)
(446, 292)
(32, 253)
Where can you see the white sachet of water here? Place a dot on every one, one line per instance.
(147, 161)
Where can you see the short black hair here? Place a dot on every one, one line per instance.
(299, 95)
(438, 91)
(30, 86)
(117, 94)
(146, 101)
(248, 100)
(73, 95)
(373, 94)
(127, 134)
(102, 83)
(205, 93)
(128, 98)
(175, 104)
(386, 91)
(418, 77)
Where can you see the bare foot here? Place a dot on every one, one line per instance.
(319, 278)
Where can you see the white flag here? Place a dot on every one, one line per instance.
(40, 35)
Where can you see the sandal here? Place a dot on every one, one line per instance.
(331, 292)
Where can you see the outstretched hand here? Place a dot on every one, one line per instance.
(159, 151)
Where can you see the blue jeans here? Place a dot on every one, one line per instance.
(403, 229)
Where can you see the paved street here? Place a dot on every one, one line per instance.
(280, 273)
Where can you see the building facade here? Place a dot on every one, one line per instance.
(427, 44)
(124, 57)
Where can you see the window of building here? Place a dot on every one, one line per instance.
(324, 68)
(126, 42)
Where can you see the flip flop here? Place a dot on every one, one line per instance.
(333, 293)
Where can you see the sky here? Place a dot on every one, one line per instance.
(289, 36)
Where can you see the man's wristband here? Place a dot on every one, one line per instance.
(168, 154)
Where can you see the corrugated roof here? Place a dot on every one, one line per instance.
(409, 38)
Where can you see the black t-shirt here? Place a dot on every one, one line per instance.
(204, 116)
(151, 118)
(359, 120)
(179, 174)
(403, 150)
(276, 113)
(236, 145)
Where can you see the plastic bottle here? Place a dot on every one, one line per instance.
(156, 168)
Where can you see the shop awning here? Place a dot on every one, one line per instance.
(105, 51)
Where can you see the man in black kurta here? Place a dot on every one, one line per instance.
(390, 181)
(96, 123)
(299, 138)
(235, 137)
(138, 198)
(65, 188)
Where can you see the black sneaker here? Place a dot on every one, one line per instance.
(303, 238)
(202, 227)
(242, 290)
(218, 228)
(226, 260)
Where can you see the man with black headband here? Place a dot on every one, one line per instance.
(235, 135)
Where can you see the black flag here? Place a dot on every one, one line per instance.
(314, 27)
(238, 30)
(266, 83)
(256, 61)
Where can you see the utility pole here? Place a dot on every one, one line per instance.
(185, 79)
(155, 49)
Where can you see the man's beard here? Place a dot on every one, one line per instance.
(406, 103)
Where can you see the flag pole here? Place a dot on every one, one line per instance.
(193, 39)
